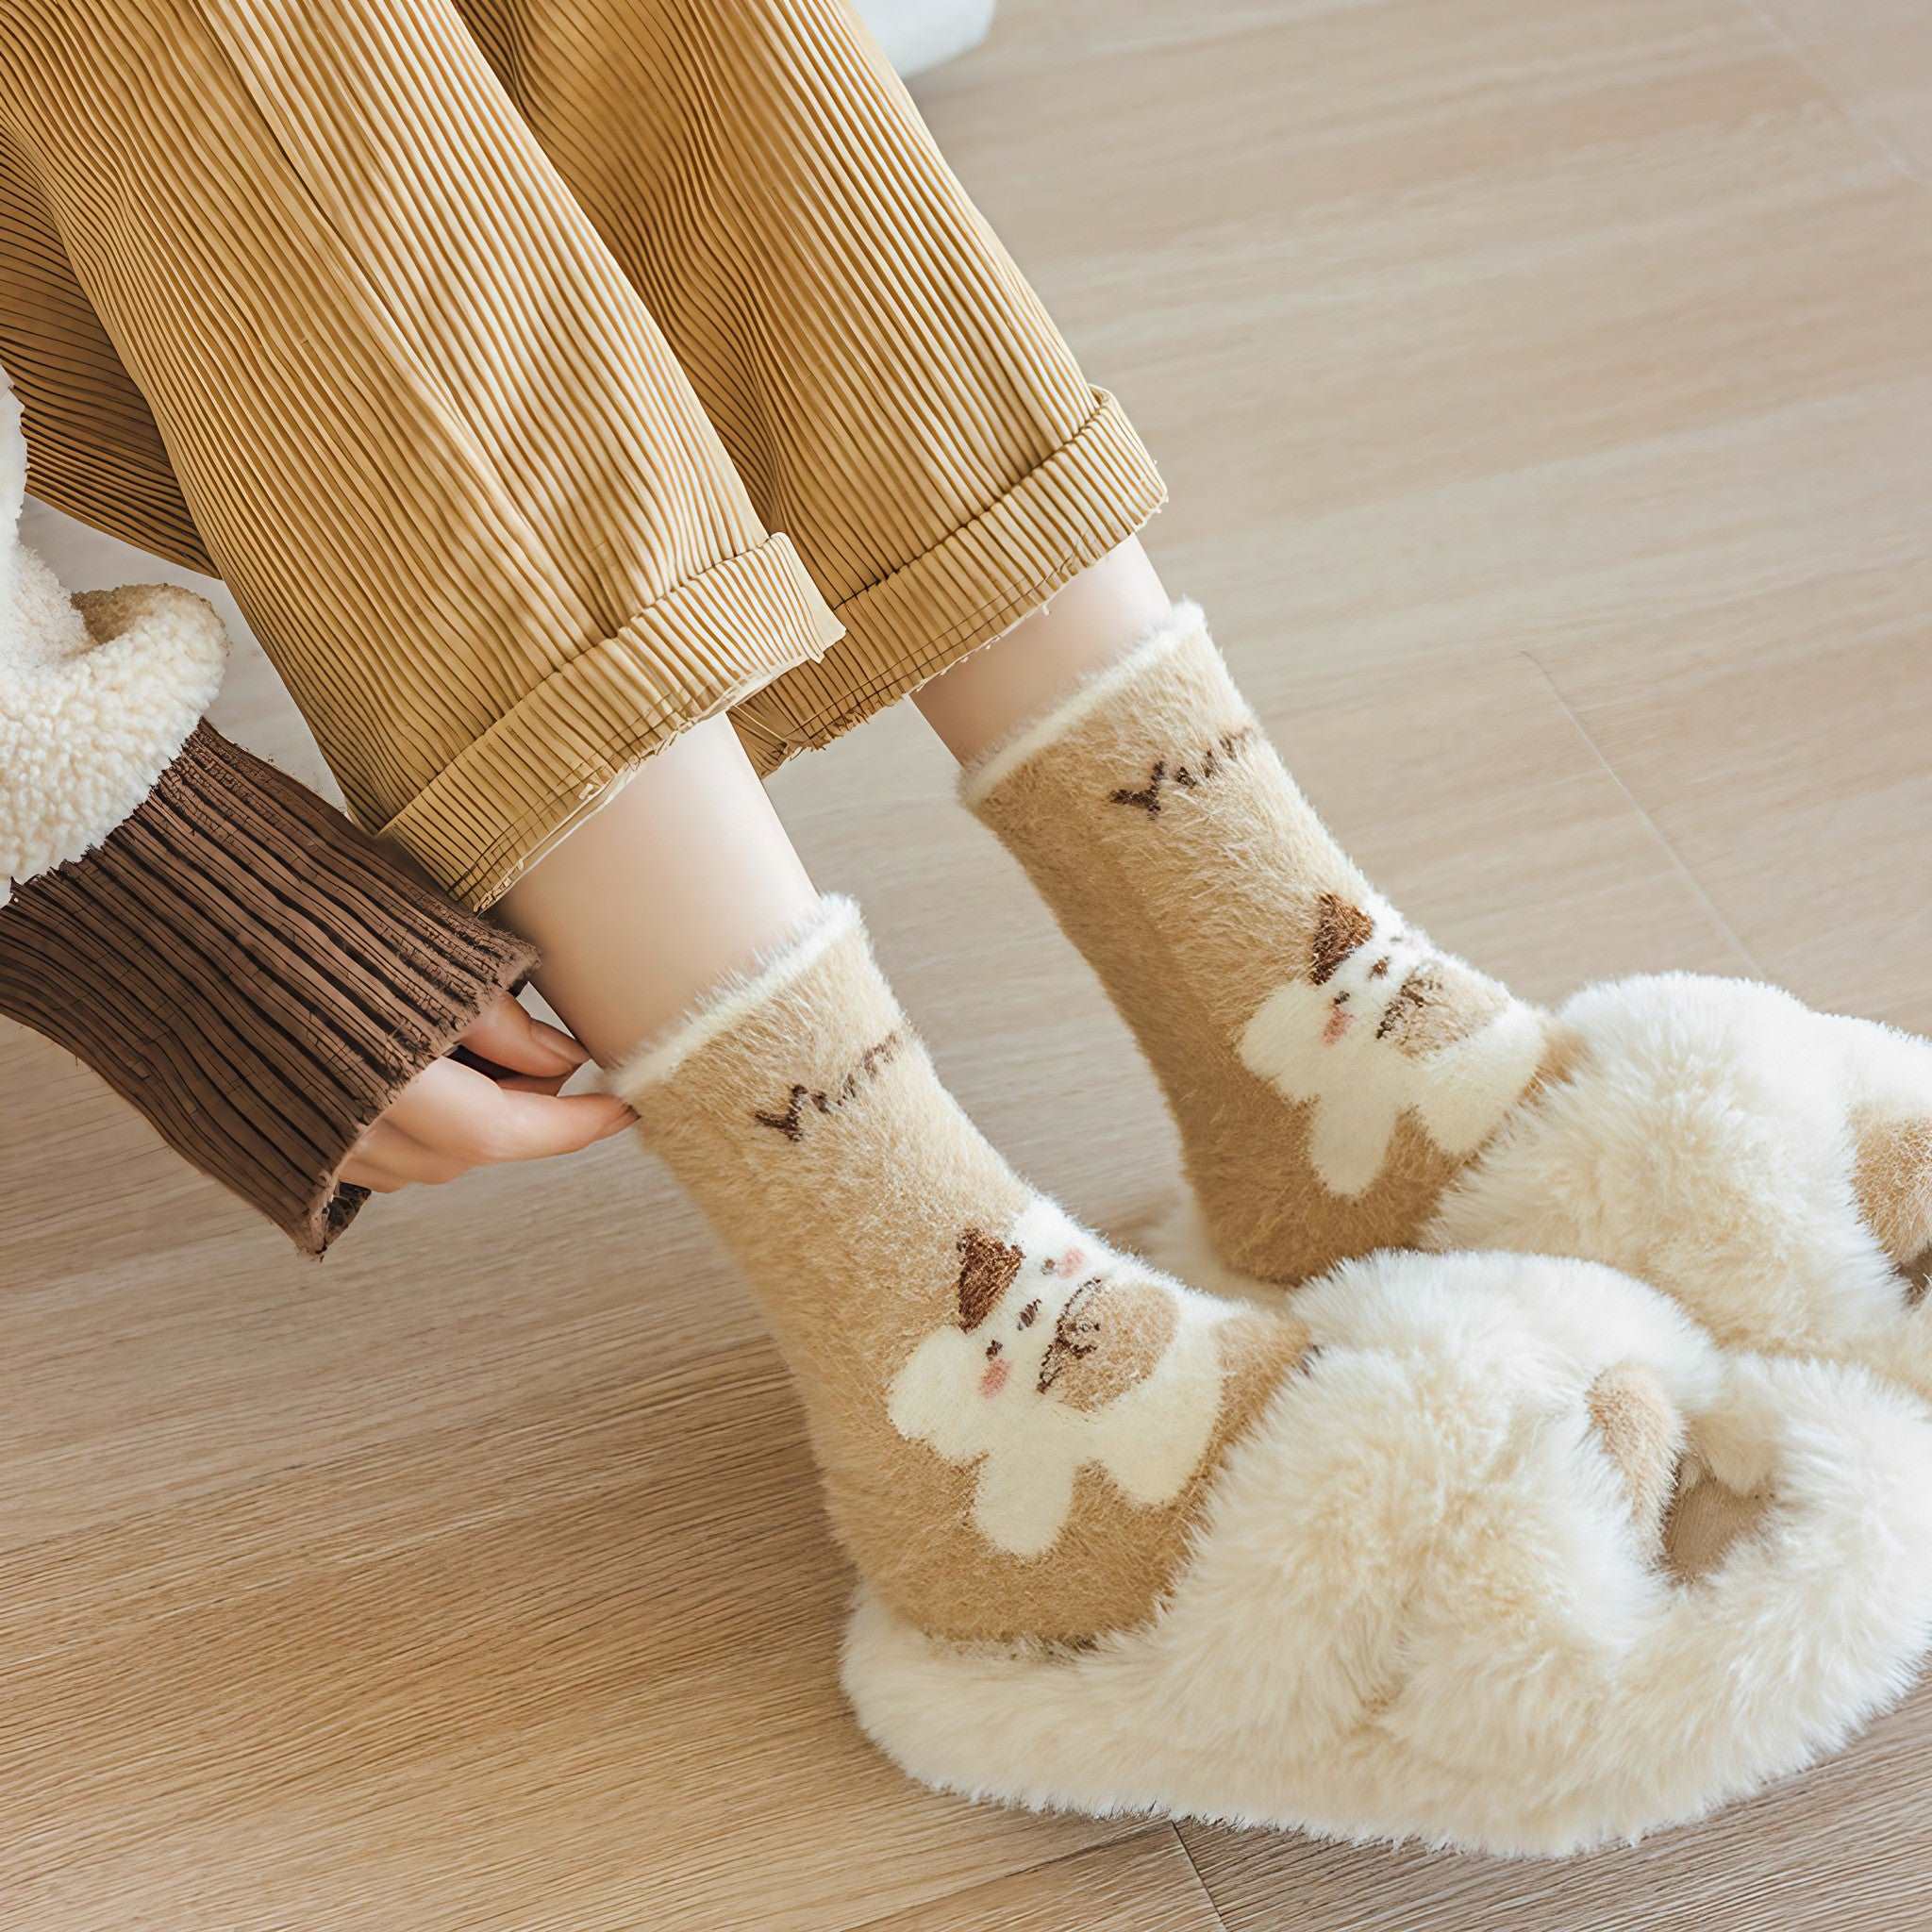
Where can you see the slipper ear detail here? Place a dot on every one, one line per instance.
(1893, 1181)
(99, 693)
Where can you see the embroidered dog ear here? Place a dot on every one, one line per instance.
(1439, 1003)
(1895, 1187)
(1108, 1337)
(1339, 929)
(987, 1269)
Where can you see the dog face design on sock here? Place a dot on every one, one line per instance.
(1377, 1023)
(1060, 1353)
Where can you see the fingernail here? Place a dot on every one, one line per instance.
(561, 1043)
(623, 1122)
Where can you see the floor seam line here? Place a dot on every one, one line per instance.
(1650, 823)
(1194, 1866)
(1135, 1829)
(1866, 130)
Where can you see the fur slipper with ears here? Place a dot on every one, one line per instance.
(1422, 1605)
(1768, 1166)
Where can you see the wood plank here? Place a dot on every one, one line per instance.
(1780, 750)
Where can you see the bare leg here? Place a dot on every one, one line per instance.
(1103, 613)
(688, 874)
(685, 876)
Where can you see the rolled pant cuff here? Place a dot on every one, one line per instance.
(545, 764)
(1087, 497)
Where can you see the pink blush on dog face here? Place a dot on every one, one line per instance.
(994, 1379)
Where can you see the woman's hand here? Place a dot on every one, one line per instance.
(454, 1116)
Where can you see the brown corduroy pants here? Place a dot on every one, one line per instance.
(543, 375)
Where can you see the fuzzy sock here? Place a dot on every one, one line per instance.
(1287, 1007)
(1016, 1425)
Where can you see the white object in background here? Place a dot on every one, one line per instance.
(921, 34)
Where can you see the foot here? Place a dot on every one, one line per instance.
(1330, 1070)
(1389, 1563)
(1342, 1085)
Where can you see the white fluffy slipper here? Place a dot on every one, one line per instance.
(1394, 1562)
(1420, 1605)
(1769, 1166)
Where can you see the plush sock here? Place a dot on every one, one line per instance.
(1016, 1425)
(1329, 1069)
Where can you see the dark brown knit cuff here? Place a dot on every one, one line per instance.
(254, 975)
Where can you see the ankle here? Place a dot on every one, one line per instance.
(683, 877)
(1090, 623)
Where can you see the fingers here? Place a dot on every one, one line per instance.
(509, 1037)
(452, 1117)
(529, 1083)
(535, 1127)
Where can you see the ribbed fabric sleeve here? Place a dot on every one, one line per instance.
(255, 976)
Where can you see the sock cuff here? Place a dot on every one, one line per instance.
(1183, 623)
(717, 1012)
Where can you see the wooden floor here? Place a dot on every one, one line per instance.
(1545, 386)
